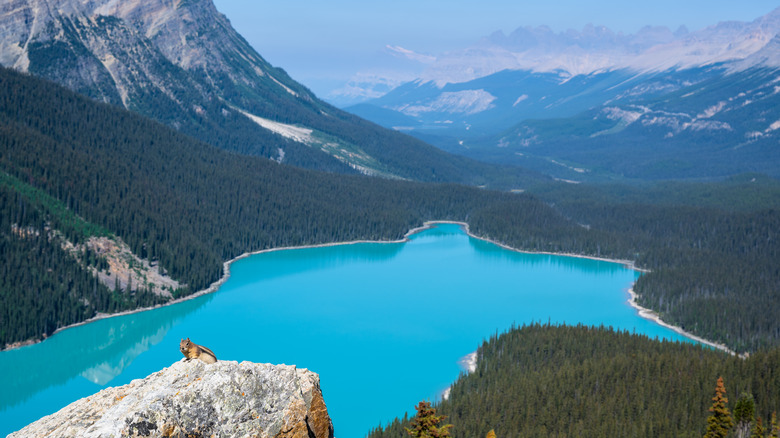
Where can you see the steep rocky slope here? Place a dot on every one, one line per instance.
(181, 63)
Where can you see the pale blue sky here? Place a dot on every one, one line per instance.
(325, 40)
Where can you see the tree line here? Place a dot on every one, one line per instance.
(545, 380)
(89, 168)
(189, 207)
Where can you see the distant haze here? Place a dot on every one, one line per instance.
(325, 44)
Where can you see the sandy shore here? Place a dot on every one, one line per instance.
(652, 316)
(645, 313)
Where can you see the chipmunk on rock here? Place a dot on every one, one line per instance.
(191, 350)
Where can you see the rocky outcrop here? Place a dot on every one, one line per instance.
(191, 398)
(179, 62)
(111, 49)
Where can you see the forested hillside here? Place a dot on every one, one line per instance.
(181, 203)
(183, 64)
(712, 249)
(713, 272)
(38, 277)
(188, 207)
(543, 380)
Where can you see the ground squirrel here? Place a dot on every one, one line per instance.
(191, 350)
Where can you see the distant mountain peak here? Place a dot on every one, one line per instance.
(597, 48)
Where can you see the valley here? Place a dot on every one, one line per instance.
(215, 88)
(142, 145)
(655, 105)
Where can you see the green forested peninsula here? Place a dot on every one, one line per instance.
(189, 207)
(714, 272)
(557, 381)
(712, 249)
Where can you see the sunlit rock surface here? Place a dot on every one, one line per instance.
(191, 398)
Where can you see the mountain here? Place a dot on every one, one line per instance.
(103, 210)
(724, 125)
(538, 99)
(181, 63)
(390, 67)
(597, 48)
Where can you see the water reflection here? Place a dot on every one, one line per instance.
(299, 260)
(98, 351)
(349, 312)
(494, 253)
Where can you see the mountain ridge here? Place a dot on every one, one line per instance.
(597, 49)
(593, 49)
(181, 63)
(554, 99)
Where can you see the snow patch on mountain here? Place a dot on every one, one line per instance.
(368, 85)
(679, 122)
(773, 127)
(412, 55)
(711, 111)
(296, 133)
(286, 88)
(520, 99)
(454, 102)
(598, 49)
(708, 125)
(627, 116)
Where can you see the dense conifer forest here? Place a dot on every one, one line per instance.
(713, 272)
(38, 277)
(82, 168)
(712, 250)
(176, 201)
(556, 381)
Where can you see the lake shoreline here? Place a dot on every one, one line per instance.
(214, 286)
(643, 312)
(656, 318)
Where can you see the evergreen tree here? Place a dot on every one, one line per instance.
(774, 431)
(744, 414)
(559, 381)
(720, 422)
(426, 423)
(758, 429)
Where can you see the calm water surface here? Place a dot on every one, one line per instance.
(383, 324)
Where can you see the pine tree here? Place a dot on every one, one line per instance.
(426, 423)
(774, 428)
(758, 429)
(720, 422)
(744, 414)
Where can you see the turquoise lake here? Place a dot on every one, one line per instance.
(383, 324)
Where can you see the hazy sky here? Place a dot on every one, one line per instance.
(326, 40)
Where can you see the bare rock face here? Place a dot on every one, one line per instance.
(116, 51)
(179, 62)
(191, 398)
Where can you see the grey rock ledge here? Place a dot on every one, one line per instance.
(191, 398)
